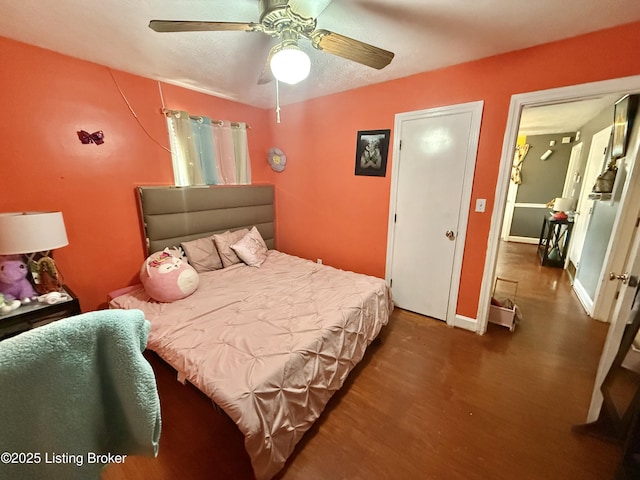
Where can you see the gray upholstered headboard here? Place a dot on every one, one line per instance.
(172, 215)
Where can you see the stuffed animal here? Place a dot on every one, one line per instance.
(13, 279)
(167, 277)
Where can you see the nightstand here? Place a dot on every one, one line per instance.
(35, 314)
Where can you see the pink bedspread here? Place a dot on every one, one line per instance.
(269, 345)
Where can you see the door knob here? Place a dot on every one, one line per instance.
(625, 277)
(450, 235)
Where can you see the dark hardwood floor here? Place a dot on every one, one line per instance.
(427, 402)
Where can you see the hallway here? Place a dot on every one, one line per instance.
(552, 317)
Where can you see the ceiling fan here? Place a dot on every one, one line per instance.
(288, 21)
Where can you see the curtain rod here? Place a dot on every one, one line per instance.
(167, 112)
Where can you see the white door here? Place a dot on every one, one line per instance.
(434, 159)
(623, 259)
(595, 165)
(619, 318)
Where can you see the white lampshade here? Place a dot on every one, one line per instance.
(290, 64)
(563, 205)
(30, 232)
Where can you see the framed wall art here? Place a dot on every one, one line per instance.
(623, 114)
(372, 150)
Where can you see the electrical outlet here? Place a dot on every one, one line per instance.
(481, 204)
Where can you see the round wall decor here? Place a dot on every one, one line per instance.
(277, 159)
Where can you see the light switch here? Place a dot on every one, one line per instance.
(481, 204)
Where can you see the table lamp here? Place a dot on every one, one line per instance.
(561, 206)
(32, 233)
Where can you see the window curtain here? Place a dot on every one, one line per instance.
(203, 131)
(208, 152)
(184, 151)
(240, 147)
(225, 152)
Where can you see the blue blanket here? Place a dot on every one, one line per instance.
(77, 394)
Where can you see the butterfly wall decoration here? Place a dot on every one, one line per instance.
(95, 137)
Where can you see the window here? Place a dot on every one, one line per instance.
(208, 152)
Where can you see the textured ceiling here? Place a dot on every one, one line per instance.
(563, 117)
(424, 34)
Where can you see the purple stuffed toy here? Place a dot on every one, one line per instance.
(13, 279)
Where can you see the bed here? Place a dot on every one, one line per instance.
(269, 345)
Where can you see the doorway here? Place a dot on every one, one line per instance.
(566, 148)
(613, 297)
(619, 87)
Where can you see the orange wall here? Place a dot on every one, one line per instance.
(325, 211)
(47, 97)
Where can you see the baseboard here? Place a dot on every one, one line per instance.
(466, 323)
(571, 271)
(531, 240)
(583, 296)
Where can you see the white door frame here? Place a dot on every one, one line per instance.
(568, 191)
(475, 108)
(594, 166)
(518, 102)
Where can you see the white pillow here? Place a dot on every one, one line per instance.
(251, 249)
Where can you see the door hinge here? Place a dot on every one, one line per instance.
(617, 295)
(391, 282)
(395, 217)
(637, 222)
(400, 144)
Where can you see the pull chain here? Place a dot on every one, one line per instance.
(277, 102)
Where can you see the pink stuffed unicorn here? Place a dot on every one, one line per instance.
(13, 279)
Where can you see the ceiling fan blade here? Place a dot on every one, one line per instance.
(195, 26)
(309, 8)
(351, 49)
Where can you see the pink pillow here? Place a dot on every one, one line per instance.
(167, 278)
(251, 249)
(223, 243)
(202, 254)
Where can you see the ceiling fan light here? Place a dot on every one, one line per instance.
(290, 65)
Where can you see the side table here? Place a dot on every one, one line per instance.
(554, 240)
(35, 314)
